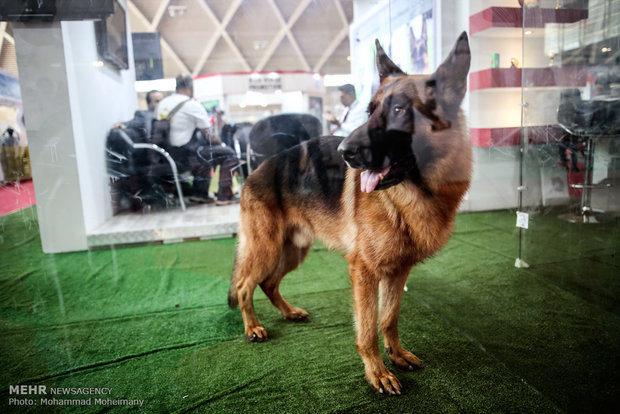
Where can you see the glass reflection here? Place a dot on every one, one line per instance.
(152, 323)
(570, 118)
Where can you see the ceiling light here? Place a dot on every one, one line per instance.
(174, 11)
(259, 44)
(606, 50)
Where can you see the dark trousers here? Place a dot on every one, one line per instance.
(200, 161)
(226, 158)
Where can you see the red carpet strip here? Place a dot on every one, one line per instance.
(15, 196)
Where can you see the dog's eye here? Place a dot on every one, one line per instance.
(398, 110)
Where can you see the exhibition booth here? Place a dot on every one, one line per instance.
(517, 78)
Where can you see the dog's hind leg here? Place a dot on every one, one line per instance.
(295, 250)
(258, 256)
(390, 295)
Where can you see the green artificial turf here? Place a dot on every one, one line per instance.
(151, 323)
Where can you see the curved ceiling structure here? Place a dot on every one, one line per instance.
(199, 37)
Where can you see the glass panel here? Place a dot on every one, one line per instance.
(570, 177)
(571, 102)
(116, 286)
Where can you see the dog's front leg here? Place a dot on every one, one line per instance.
(365, 285)
(390, 295)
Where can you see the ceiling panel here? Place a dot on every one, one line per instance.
(219, 7)
(252, 28)
(188, 31)
(149, 8)
(286, 7)
(316, 28)
(338, 62)
(347, 8)
(222, 59)
(214, 36)
(284, 58)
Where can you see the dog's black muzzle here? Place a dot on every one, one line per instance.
(352, 154)
(360, 150)
(375, 150)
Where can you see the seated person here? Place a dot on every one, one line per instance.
(142, 119)
(197, 152)
(136, 171)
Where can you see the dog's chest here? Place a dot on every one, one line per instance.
(414, 228)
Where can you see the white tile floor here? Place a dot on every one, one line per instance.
(169, 226)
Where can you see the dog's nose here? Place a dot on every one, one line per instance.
(350, 153)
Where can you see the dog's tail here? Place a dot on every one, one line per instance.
(232, 297)
(233, 301)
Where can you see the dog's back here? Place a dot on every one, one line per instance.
(292, 196)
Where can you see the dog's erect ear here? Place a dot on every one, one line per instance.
(451, 76)
(384, 64)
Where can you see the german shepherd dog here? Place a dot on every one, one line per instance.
(385, 196)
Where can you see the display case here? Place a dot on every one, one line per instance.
(496, 79)
(570, 177)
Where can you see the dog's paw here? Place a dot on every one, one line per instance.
(404, 360)
(297, 315)
(384, 382)
(256, 334)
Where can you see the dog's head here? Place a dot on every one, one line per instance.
(410, 120)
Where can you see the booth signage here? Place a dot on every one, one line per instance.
(267, 83)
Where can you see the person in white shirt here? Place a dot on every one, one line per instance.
(193, 145)
(354, 115)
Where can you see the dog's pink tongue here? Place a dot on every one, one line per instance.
(370, 179)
